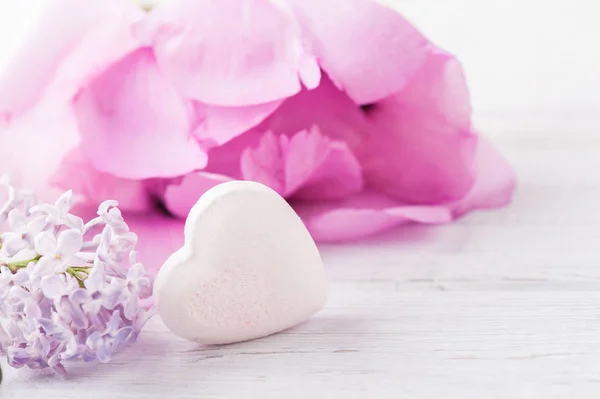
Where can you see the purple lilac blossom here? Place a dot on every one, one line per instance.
(68, 289)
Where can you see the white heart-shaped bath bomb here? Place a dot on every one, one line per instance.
(248, 269)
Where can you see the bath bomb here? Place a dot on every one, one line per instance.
(248, 268)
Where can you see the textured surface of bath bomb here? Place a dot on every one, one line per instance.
(248, 269)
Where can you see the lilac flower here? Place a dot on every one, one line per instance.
(107, 341)
(68, 290)
(58, 214)
(58, 253)
(21, 198)
(22, 232)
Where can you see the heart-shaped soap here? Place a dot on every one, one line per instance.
(248, 268)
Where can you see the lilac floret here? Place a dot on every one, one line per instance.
(68, 289)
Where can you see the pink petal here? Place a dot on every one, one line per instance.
(326, 107)
(180, 198)
(336, 172)
(305, 165)
(331, 111)
(361, 215)
(134, 125)
(76, 173)
(223, 124)
(420, 148)
(494, 184)
(229, 52)
(370, 50)
(266, 163)
(225, 159)
(73, 40)
(46, 136)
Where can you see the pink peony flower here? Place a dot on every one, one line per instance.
(344, 108)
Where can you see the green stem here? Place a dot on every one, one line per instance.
(75, 274)
(21, 264)
(79, 273)
(84, 269)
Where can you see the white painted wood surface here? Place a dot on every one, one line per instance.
(502, 304)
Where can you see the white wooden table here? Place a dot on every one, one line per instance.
(504, 304)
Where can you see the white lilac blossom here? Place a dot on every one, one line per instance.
(68, 289)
